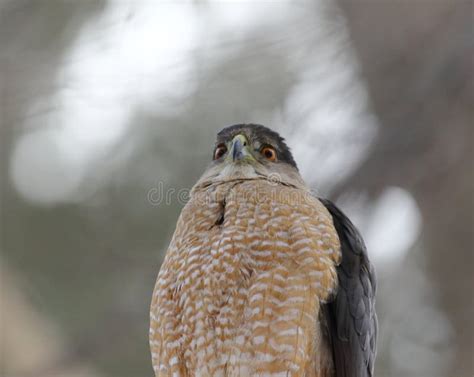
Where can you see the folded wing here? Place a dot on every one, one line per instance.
(350, 318)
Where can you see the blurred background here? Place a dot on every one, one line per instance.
(104, 102)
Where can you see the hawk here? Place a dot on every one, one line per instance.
(262, 278)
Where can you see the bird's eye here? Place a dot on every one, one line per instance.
(269, 153)
(221, 149)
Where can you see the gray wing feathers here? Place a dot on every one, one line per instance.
(351, 317)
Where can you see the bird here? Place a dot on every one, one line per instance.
(262, 277)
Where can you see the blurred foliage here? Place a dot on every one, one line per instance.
(88, 266)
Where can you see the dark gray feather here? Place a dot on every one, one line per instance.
(351, 317)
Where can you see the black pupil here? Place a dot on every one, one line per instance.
(220, 152)
(268, 153)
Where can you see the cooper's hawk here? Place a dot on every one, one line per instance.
(261, 278)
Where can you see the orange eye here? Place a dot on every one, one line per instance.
(269, 153)
(220, 151)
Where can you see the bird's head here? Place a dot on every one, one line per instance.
(251, 151)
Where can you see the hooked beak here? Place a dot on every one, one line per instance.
(240, 149)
